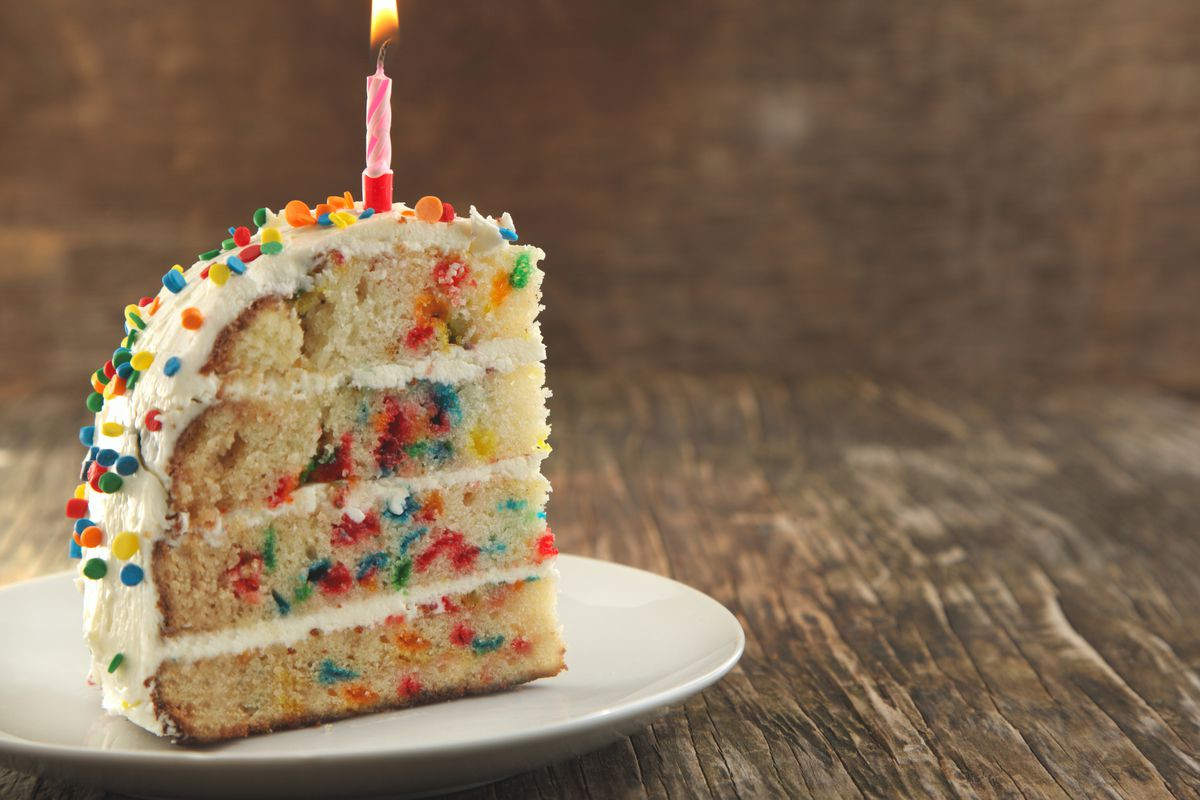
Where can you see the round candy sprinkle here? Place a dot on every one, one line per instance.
(116, 662)
(271, 248)
(109, 369)
(110, 482)
(250, 253)
(207, 254)
(192, 319)
(112, 429)
(236, 265)
(447, 213)
(142, 360)
(271, 235)
(324, 221)
(152, 421)
(228, 244)
(509, 234)
(74, 550)
(95, 568)
(101, 376)
(260, 217)
(125, 545)
(76, 508)
(367, 214)
(174, 281)
(115, 388)
(91, 536)
(97, 385)
(87, 435)
(241, 236)
(429, 209)
(120, 356)
(95, 402)
(218, 274)
(297, 214)
(131, 574)
(107, 457)
(125, 370)
(126, 465)
(82, 524)
(172, 366)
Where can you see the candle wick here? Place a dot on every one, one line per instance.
(382, 54)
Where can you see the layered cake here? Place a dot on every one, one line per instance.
(312, 488)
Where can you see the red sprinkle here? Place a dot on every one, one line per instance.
(462, 554)
(545, 547)
(410, 686)
(462, 635)
(449, 605)
(241, 236)
(447, 213)
(77, 508)
(145, 301)
(348, 532)
(152, 421)
(521, 644)
(204, 273)
(250, 253)
(417, 337)
(337, 580)
(109, 369)
(246, 577)
(283, 491)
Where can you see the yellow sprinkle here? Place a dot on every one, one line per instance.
(125, 704)
(125, 545)
(125, 342)
(342, 219)
(484, 441)
(81, 491)
(544, 445)
(112, 429)
(218, 273)
(142, 360)
(269, 235)
(177, 268)
(132, 309)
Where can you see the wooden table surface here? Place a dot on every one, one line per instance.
(989, 594)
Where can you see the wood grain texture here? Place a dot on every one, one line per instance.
(934, 190)
(945, 593)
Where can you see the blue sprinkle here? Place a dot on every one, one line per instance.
(481, 644)
(87, 435)
(541, 515)
(172, 366)
(232, 231)
(131, 574)
(107, 457)
(330, 673)
(317, 570)
(511, 504)
(368, 213)
(281, 603)
(324, 220)
(369, 563)
(509, 234)
(127, 465)
(410, 507)
(74, 550)
(532, 578)
(236, 265)
(125, 370)
(411, 537)
(82, 524)
(93, 451)
(174, 281)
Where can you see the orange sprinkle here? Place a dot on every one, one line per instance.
(297, 214)
(408, 212)
(115, 388)
(358, 694)
(192, 319)
(154, 306)
(323, 208)
(97, 385)
(500, 289)
(75, 536)
(429, 209)
(91, 537)
(335, 201)
(349, 199)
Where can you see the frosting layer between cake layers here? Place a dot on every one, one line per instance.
(145, 524)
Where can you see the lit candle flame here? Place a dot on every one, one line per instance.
(385, 21)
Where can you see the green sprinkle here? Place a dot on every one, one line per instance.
(401, 573)
(207, 254)
(522, 269)
(121, 356)
(260, 217)
(95, 402)
(110, 482)
(281, 603)
(116, 662)
(136, 321)
(132, 380)
(228, 244)
(271, 248)
(302, 593)
(132, 337)
(268, 551)
(100, 376)
(95, 568)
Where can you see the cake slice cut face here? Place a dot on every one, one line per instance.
(313, 485)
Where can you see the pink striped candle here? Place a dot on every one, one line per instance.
(377, 177)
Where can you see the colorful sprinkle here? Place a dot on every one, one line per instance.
(192, 319)
(250, 253)
(228, 244)
(509, 234)
(271, 235)
(331, 673)
(132, 574)
(522, 269)
(141, 360)
(260, 217)
(95, 568)
(87, 435)
(74, 550)
(110, 482)
(107, 457)
(236, 265)
(241, 236)
(91, 536)
(94, 402)
(297, 214)
(367, 214)
(429, 209)
(324, 220)
(112, 429)
(172, 366)
(76, 508)
(218, 274)
(447, 213)
(116, 662)
(174, 281)
(281, 603)
(82, 524)
(342, 219)
(125, 545)
(120, 356)
(152, 421)
(207, 254)
(127, 465)
(125, 370)
(271, 248)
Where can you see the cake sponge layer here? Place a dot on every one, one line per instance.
(498, 636)
(254, 453)
(344, 543)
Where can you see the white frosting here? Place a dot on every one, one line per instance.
(127, 620)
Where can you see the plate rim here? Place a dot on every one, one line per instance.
(30, 750)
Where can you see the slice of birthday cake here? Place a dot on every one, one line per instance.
(313, 484)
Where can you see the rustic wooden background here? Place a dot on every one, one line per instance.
(876, 321)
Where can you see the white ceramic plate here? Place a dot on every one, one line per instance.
(636, 643)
